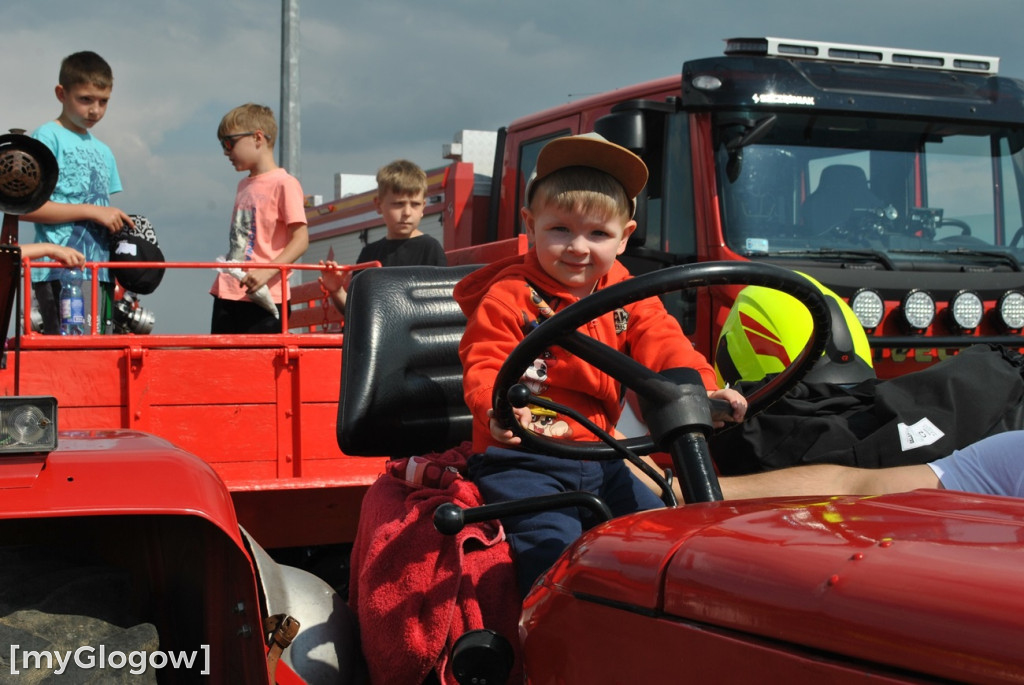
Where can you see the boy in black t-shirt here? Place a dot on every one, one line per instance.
(400, 199)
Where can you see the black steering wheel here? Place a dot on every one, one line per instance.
(653, 388)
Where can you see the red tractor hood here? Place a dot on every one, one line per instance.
(928, 581)
(111, 472)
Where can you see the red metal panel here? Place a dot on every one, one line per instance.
(489, 252)
(121, 472)
(568, 639)
(458, 216)
(314, 515)
(848, 576)
(261, 410)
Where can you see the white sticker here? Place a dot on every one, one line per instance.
(757, 245)
(922, 433)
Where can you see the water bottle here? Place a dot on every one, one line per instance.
(72, 303)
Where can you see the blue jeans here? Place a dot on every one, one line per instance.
(538, 539)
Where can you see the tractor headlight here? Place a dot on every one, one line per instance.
(28, 425)
(868, 307)
(1011, 310)
(967, 310)
(918, 309)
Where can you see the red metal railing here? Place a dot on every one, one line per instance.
(302, 295)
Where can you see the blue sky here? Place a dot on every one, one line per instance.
(387, 79)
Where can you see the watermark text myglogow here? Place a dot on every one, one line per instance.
(99, 658)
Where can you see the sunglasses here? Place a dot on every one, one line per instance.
(228, 142)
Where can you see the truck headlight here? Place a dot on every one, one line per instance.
(868, 307)
(28, 425)
(967, 310)
(1011, 310)
(918, 309)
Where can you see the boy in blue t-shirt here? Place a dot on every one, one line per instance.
(78, 214)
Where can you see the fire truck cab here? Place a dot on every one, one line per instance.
(893, 177)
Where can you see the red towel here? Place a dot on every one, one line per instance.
(414, 590)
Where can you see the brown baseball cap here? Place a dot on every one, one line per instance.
(594, 151)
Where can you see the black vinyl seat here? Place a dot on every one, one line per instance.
(401, 379)
(841, 189)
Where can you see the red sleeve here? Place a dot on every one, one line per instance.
(657, 341)
(492, 332)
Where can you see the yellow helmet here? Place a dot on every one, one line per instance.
(766, 329)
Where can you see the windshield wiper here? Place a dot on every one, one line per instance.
(832, 253)
(1005, 257)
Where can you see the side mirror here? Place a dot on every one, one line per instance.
(628, 128)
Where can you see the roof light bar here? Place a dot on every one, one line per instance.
(845, 52)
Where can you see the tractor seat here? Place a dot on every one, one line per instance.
(401, 378)
(401, 396)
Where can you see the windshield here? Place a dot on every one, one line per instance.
(884, 190)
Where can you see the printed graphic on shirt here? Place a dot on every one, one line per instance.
(542, 421)
(546, 422)
(544, 311)
(90, 239)
(621, 321)
(242, 234)
(84, 179)
(536, 375)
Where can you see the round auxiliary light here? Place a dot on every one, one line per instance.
(918, 309)
(967, 310)
(868, 307)
(1011, 310)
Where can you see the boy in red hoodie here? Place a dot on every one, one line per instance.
(578, 216)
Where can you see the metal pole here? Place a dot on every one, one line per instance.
(290, 134)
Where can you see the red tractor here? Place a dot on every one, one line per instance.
(912, 587)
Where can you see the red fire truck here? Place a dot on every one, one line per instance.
(895, 178)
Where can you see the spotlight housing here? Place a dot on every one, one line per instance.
(966, 310)
(868, 307)
(918, 308)
(1011, 310)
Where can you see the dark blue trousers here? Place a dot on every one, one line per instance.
(538, 539)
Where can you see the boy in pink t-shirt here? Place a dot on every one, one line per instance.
(268, 224)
